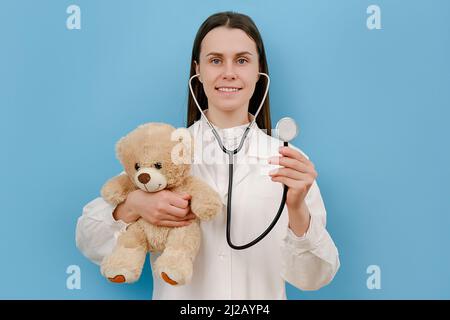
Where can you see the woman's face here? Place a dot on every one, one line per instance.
(229, 68)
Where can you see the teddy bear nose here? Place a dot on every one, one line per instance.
(144, 178)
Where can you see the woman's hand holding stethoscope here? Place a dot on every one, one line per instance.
(297, 173)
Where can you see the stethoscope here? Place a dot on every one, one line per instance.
(286, 129)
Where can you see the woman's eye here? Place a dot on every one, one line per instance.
(213, 61)
(137, 167)
(242, 61)
(158, 165)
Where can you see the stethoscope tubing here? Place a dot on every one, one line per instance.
(231, 153)
(269, 228)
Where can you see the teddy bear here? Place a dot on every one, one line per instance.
(156, 156)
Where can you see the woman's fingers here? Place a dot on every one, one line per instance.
(292, 163)
(177, 212)
(173, 207)
(291, 183)
(178, 200)
(173, 213)
(292, 153)
(290, 173)
(190, 216)
(177, 217)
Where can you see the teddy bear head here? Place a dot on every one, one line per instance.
(156, 156)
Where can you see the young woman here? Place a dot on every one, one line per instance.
(228, 55)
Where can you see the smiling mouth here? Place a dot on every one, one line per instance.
(228, 89)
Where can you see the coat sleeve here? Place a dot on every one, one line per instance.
(97, 231)
(311, 261)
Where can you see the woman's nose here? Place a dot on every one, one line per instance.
(229, 72)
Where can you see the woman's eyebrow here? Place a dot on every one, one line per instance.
(221, 55)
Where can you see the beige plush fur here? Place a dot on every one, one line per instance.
(146, 154)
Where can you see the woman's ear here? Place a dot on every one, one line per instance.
(197, 70)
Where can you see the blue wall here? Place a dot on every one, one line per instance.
(373, 106)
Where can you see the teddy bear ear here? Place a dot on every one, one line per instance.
(184, 148)
(120, 148)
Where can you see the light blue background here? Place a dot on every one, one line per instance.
(373, 106)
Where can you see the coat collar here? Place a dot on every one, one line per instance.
(257, 148)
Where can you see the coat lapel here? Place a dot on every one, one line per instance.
(198, 169)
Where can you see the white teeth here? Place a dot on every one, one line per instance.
(228, 89)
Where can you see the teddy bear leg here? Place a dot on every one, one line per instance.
(125, 263)
(175, 264)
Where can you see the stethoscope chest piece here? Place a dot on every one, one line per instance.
(286, 129)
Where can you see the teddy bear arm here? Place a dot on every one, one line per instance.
(116, 190)
(205, 202)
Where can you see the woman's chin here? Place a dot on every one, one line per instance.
(227, 106)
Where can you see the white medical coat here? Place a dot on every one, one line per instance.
(308, 262)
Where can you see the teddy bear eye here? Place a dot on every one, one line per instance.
(158, 165)
(137, 167)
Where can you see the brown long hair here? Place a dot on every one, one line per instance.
(245, 23)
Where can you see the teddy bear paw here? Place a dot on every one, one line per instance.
(208, 212)
(118, 279)
(120, 275)
(167, 279)
(175, 271)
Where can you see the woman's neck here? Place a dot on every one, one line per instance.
(227, 119)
